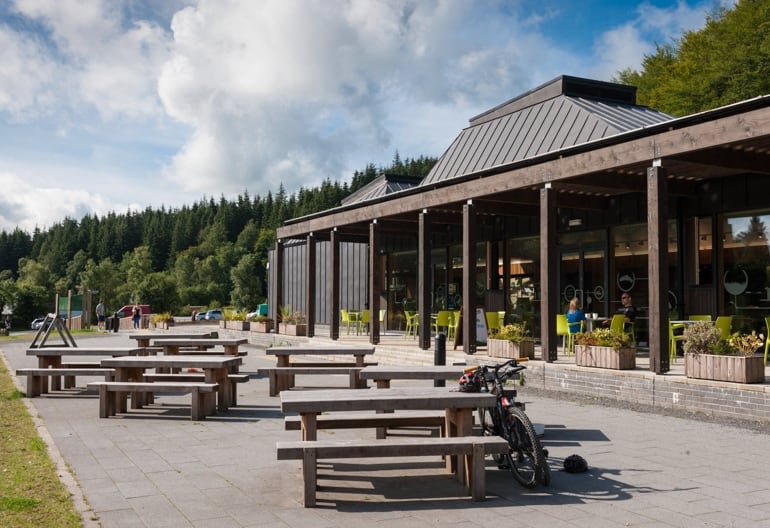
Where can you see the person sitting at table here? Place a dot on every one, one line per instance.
(575, 317)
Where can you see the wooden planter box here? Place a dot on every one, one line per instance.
(605, 357)
(238, 325)
(503, 348)
(295, 329)
(737, 369)
(262, 326)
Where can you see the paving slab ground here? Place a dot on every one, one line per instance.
(157, 468)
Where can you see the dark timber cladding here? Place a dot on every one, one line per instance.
(569, 146)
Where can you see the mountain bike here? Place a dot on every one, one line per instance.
(527, 460)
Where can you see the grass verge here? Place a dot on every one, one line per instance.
(31, 493)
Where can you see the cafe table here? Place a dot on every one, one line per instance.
(457, 406)
(215, 370)
(51, 357)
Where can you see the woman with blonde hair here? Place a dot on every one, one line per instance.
(575, 317)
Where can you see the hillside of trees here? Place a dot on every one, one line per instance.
(725, 62)
(212, 253)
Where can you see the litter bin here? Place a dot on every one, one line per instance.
(108, 323)
(115, 322)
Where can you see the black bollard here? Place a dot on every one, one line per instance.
(439, 356)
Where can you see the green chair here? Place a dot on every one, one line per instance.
(618, 324)
(767, 337)
(700, 318)
(725, 325)
(673, 339)
(562, 329)
(443, 320)
(452, 332)
(347, 320)
(493, 322)
(364, 321)
(412, 323)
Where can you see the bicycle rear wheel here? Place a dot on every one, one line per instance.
(527, 460)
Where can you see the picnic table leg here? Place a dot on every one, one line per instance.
(309, 476)
(309, 425)
(382, 432)
(283, 381)
(474, 463)
(459, 422)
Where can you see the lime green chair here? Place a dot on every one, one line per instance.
(443, 320)
(674, 337)
(562, 329)
(618, 324)
(725, 325)
(347, 320)
(493, 322)
(767, 337)
(412, 323)
(700, 318)
(364, 321)
(452, 332)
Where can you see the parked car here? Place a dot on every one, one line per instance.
(39, 322)
(200, 316)
(214, 315)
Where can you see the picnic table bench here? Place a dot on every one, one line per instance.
(172, 345)
(202, 394)
(382, 376)
(473, 449)
(51, 358)
(282, 375)
(143, 340)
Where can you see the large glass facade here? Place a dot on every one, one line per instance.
(745, 280)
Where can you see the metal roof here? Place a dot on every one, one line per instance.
(382, 185)
(565, 112)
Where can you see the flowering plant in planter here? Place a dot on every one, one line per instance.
(604, 337)
(516, 332)
(702, 337)
(746, 344)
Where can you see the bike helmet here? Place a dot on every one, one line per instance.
(470, 382)
(575, 464)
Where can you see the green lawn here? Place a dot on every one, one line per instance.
(31, 494)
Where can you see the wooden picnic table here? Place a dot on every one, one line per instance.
(51, 357)
(457, 406)
(282, 377)
(382, 375)
(171, 345)
(143, 340)
(215, 370)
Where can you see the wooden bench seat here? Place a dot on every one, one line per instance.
(36, 376)
(473, 449)
(198, 376)
(380, 421)
(201, 393)
(329, 364)
(282, 378)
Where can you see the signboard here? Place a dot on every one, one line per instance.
(481, 327)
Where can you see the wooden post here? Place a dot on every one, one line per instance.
(423, 279)
(310, 284)
(548, 273)
(469, 277)
(375, 282)
(333, 285)
(657, 263)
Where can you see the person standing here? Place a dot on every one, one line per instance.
(137, 315)
(100, 316)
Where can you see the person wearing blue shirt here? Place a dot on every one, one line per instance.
(575, 316)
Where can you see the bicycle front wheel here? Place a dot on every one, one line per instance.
(526, 459)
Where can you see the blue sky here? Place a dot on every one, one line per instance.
(116, 105)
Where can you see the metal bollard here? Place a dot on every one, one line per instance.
(439, 356)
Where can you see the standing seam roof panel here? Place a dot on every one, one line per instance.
(511, 125)
(493, 137)
(479, 136)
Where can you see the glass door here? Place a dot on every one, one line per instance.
(583, 274)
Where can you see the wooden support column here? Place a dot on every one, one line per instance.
(375, 282)
(657, 263)
(277, 284)
(492, 258)
(310, 284)
(424, 279)
(549, 296)
(333, 285)
(470, 237)
(507, 281)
